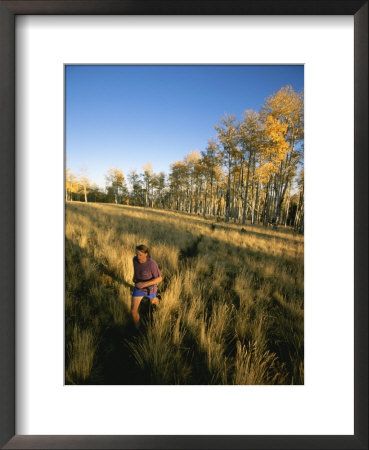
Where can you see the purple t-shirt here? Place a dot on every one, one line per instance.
(146, 271)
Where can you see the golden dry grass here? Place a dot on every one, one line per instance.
(232, 309)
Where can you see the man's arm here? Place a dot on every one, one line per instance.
(143, 284)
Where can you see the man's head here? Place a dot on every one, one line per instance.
(142, 253)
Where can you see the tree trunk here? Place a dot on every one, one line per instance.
(280, 200)
(264, 213)
(228, 193)
(253, 200)
(205, 198)
(211, 211)
(299, 217)
(246, 191)
(287, 210)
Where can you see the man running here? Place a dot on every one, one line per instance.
(146, 278)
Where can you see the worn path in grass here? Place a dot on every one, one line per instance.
(114, 362)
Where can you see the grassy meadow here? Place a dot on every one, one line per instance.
(232, 309)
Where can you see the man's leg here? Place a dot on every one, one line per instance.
(155, 301)
(134, 310)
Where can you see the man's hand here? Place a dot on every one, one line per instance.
(143, 284)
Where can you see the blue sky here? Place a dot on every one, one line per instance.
(125, 116)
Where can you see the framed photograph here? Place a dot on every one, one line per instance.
(280, 364)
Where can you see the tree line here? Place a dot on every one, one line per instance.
(252, 171)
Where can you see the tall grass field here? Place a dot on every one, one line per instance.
(232, 308)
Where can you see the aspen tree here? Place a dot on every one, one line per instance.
(190, 161)
(286, 109)
(147, 178)
(228, 136)
(249, 137)
(84, 183)
(211, 161)
(136, 186)
(160, 186)
(299, 217)
(85, 187)
(115, 183)
(178, 179)
(71, 184)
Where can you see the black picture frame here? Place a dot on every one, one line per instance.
(8, 12)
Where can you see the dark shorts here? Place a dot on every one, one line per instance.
(137, 293)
